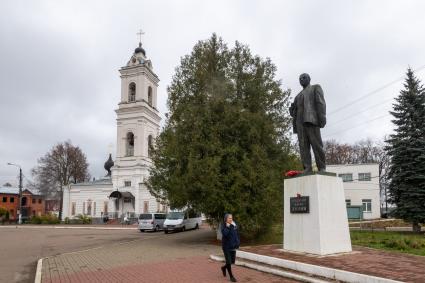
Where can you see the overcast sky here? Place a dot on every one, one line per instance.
(59, 62)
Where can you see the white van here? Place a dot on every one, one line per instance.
(182, 220)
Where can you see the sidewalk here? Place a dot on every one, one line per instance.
(188, 270)
(391, 265)
(177, 257)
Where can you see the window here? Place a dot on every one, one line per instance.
(346, 177)
(105, 207)
(159, 216)
(150, 95)
(348, 202)
(4, 199)
(12, 199)
(40, 200)
(127, 199)
(132, 92)
(145, 207)
(89, 208)
(130, 144)
(150, 145)
(73, 208)
(34, 200)
(12, 213)
(33, 213)
(365, 177)
(127, 183)
(367, 205)
(94, 208)
(84, 207)
(158, 206)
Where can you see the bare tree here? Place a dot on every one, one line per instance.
(364, 151)
(62, 165)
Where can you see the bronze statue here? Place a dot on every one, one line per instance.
(308, 113)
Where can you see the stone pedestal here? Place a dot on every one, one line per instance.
(324, 229)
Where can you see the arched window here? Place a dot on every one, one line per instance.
(130, 144)
(150, 145)
(132, 92)
(150, 95)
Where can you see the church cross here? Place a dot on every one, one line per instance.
(140, 33)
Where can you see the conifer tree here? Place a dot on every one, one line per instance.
(225, 143)
(406, 148)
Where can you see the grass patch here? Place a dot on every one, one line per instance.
(405, 242)
(274, 236)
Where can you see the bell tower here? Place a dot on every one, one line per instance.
(138, 123)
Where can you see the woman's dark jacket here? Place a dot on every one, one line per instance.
(230, 237)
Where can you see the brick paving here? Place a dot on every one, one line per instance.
(392, 265)
(177, 257)
(193, 269)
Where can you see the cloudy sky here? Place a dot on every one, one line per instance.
(59, 62)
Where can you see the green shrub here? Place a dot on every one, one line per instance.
(45, 219)
(67, 221)
(4, 215)
(84, 219)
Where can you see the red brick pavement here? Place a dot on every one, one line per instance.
(392, 265)
(185, 270)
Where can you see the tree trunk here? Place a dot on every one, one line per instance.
(416, 227)
(61, 203)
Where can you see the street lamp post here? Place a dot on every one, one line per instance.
(20, 192)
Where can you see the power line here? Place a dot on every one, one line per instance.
(371, 120)
(373, 92)
(364, 110)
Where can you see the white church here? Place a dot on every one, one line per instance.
(123, 191)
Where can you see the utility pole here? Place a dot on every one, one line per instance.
(20, 195)
(20, 191)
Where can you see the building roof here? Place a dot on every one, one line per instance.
(101, 181)
(14, 191)
(9, 190)
(352, 164)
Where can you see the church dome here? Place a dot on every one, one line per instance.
(140, 50)
(108, 165)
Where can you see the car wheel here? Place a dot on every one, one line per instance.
(156, 228)
(141, 230)
(197, 226)
(183, 229)
(165, 232)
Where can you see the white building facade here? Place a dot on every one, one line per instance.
(361, 186)
(138, 124)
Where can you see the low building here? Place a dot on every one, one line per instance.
(52, 206)
(32, 204)
(361, 187)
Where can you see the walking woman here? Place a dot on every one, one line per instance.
(230, 242)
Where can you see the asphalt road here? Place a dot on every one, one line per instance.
(20, 248)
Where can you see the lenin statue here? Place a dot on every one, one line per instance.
(308, 113)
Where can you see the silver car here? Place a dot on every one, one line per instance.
(151, 221)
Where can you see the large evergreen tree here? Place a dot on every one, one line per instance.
(225, 142)
(407, 151)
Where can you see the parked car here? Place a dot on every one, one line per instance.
(151, 221)
(182, 220)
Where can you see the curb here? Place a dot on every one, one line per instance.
(70, 227)
(38, 271)
(273, 271)
(326, 272)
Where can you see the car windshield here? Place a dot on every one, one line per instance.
(175, 215)
(145, 216)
